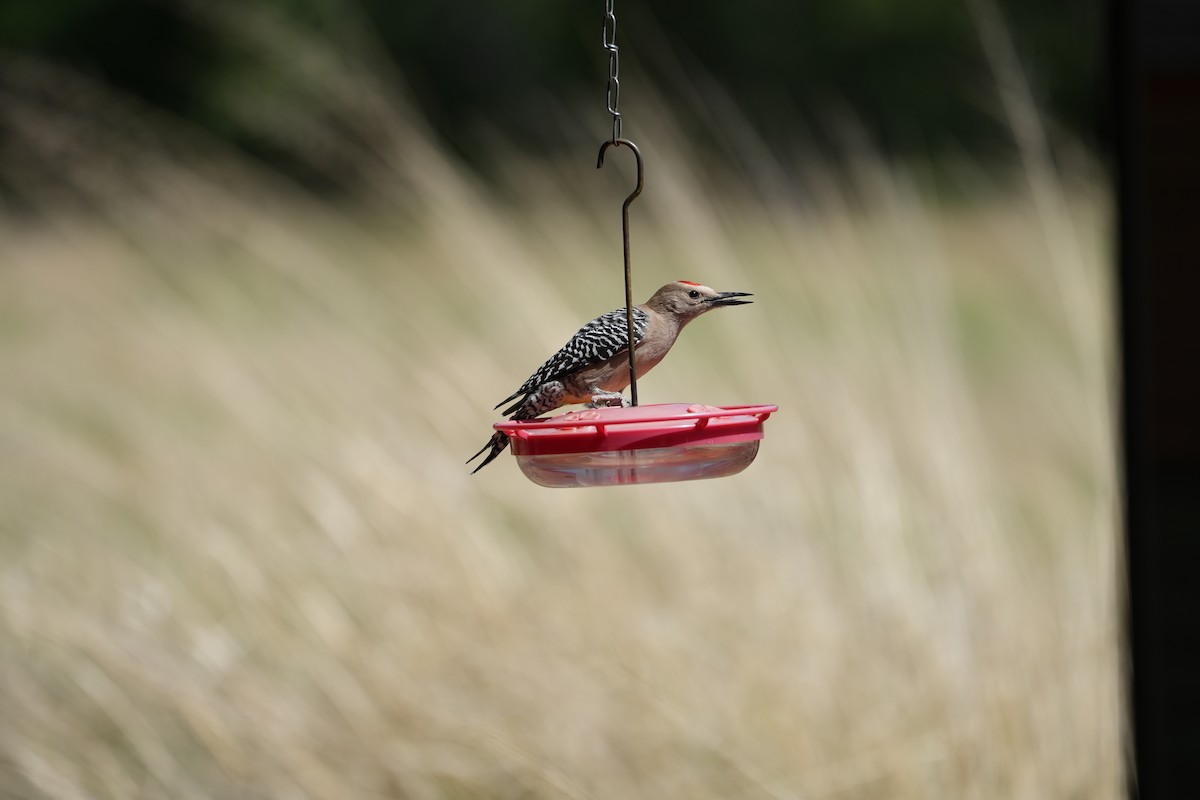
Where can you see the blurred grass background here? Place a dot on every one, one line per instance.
(240, 555)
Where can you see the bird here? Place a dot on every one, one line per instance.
(593, 366)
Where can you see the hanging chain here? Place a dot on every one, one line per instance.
(614, 68)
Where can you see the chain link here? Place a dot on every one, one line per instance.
(614, 68)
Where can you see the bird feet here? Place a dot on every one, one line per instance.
(608, 400)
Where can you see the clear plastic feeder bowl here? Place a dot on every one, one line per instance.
(641, 444)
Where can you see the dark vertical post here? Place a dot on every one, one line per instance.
(1156, 78)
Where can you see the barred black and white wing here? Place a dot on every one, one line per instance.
(597, 341)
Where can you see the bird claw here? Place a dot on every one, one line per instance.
(608, 400)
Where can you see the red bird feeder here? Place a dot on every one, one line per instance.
(639, 444)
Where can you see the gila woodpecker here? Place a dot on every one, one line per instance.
(593, 367)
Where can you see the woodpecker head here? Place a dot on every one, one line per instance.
(687, 300)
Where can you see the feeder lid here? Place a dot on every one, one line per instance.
(636, 428)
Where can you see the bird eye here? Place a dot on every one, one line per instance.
(693, 294)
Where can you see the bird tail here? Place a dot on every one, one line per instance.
(497, 444)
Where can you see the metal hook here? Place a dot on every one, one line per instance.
(637, 154)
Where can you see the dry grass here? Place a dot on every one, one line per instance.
(240, 555)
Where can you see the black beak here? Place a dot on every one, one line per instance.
(726, 299)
